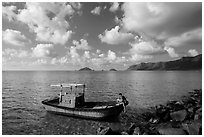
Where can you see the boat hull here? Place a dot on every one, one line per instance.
(98, 113)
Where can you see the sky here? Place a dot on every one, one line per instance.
(101, 36)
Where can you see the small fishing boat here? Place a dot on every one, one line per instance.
(73, 103)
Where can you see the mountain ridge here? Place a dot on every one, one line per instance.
(185, 63)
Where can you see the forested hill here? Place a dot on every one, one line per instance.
(185, 63)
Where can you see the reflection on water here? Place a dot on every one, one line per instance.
(22, 93)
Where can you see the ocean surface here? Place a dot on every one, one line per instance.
(23, 91)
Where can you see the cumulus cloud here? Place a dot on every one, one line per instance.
(62, 60)
(96, 10)
(115, 36)
(138, 57)
(40, 62)
(72, 57)
(117, 20)
(82, 44)
(162, 20)
(193, 52)
(87, 54)
(101, 55)
(14, 37)
(111, 55)
(143, 50)
(47, 20)
(169, 24)
(146, 48)
(107, 58)
(13, 53)
(75, 57)
(98, 51)
(8, 12)
(114, 7)
(192, 37)
(171, 52)
(88, 58)
(76, 5)
(44, 50)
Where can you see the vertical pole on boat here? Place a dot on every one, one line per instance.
(75, 90)
(84, 88)
(61, 93)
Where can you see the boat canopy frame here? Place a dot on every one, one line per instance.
(70, 85)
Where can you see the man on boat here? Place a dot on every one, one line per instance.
(123, 100)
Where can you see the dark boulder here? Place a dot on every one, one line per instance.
(178, 115)
(136, 131)
(171, 131)
(162, 113)
(193, 128)
(131, 129)
(175, 105)
(104, 131)
(198, 114)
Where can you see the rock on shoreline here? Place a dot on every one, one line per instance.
(183, 117)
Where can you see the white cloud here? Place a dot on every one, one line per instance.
(96, 10)
(14, 37)
(162, 20)
(40, 62)
(193, 52)
(13, 53)
(98, 51)
(114, 7)
(87, 55)
(115, 36)
(117, 20)
(62, 60)
(101, 55)
(111, 55)
(74, 55)
(146, 48)
(44, 50)
(138, 57)
(97, 62)
(14, 57)
(9, 13)
(97, 59)
(76, 5)
(121, 59)
(191, 37)
(171, 52)
(23, 54)
(143, 50)
(88, 58)
(83, 44)
(170, 24)
(47, 20)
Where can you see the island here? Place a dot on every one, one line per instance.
(85, 69)
(185, 63)
(112, 70)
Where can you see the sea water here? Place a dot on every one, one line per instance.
(23, 91)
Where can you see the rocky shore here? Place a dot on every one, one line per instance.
(183, 117)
